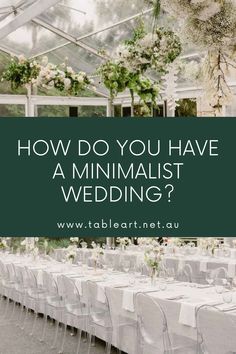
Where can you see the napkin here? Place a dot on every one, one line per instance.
(129, 294)
(188, 310)
(78, 284)
(128, 300)
(40, 278)
(187, 314)
(101, 297)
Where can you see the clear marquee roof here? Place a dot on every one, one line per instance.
(76, 29)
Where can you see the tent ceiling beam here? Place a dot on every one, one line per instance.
(68, 37)
(27, 15)
(96, 32)
(8, 51)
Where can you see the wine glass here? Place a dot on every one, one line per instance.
(227, 294)
(170, 275)
(138, 270)
(126, 266)
(110, 265)
(162, 280)
(210, 277)
(132, 280)
(219, 285)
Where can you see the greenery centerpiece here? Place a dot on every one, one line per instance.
(152, 258)
(208, 245)
(123, 242)
(71, 253)
(3, 244)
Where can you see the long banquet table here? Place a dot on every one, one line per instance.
(200, 264)
(179, 300)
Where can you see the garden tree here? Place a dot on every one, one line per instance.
(186, 108)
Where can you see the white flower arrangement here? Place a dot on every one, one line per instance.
(170, 86)
(148, 242)
(123, 241)
(62, 77)
(150, 50)
(74, 240)
(212, 26)
(3, 243)
(84, 244)
(153, 256)
(35, 251)
(97, 251)
(24, 72)
(175, 241)
(209, 243)
(71, 253)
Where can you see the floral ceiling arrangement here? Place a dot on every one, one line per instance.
(211, 25)
(23, 72)
(134, 58)
(208, 24)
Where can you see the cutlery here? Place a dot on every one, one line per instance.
(179, 297)
(121, 286)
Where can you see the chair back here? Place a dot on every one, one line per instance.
(4, 271)
(10, 272)
(49, 283)
(31, 279)
(98, 310)
(152, 325)
(70, 293)
(221, 273)
(216, 330)
(185, 274)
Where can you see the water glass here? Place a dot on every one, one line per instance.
(162, 285)
(132, 280)
(227, 297)
(210, 277)
(126, 266)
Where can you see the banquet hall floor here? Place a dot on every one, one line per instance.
(13, 340)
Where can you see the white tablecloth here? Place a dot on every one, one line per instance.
(179, 301)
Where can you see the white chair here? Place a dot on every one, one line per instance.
(100, 321)
(8, 287)
(153, 333)
(216, 331)
(99, 318)
(185, 274)
(18, 294)
(21, 290)
(35, 297)
(76, 312)
(221, 273)
(54, 306)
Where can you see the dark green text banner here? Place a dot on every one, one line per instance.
(118, 177)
